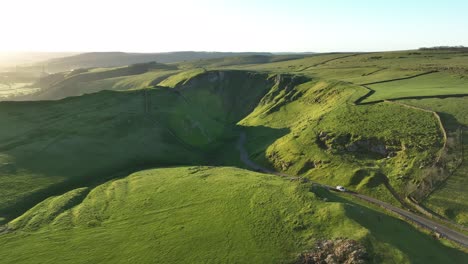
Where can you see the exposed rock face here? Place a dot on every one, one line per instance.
(278, 161)
(353, 143)
(339, 251)
(286, 84)
(368, 144)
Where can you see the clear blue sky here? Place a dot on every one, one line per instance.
(242, 25)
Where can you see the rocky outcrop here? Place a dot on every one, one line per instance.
(356, 144)
(344, 251)
(284, 91)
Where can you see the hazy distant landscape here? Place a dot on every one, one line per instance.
(233, 132)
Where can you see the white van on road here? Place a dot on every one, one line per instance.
(341, 188)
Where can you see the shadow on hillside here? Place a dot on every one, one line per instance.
(91, 180)
(82, 147)
(417, 246)
(449, 121)
(245, 147)
(258, 139)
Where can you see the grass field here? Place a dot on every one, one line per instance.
(453, 111)
(64, 164)
(435, 84)
(49, 146)
(451, 199)
(45, 144)
(292, 121)
(206, 214)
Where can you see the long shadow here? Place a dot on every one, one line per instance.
(245, 147)
(256, 142)
(450, 122)
(74, 157)
(92, 180)
(416, 245)
(60, 156)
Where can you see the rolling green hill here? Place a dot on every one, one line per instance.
(209, 215)
(429, 85)
(116, 59)
(84, 81)
(450, 199)
(389, 125)
(57, 144)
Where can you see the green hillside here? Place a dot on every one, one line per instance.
(142, 158)
(55, 145)
(434, 84)
(206, 214)
(84, 81)
(451, 199)
(117, 59)
(331, 140)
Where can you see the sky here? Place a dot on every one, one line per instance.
(241, 25)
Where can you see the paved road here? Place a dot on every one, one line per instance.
(411, 217)
(419, 220)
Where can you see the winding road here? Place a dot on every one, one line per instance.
(421, 221)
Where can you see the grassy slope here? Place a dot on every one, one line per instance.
(359, 69)
(296, 66)
(180, 78)
(427, 85)
(362, 68)
(283, 131)
(305, 106)
(124, 83)
(451, 200)
(52, 145)
(234, 216)
(55, 145)
(84, 81)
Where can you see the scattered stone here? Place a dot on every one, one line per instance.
(323, 134)
(345, 251)
(285, 165)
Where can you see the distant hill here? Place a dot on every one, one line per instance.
(13, 59)
(80, 81)
(115, 59)
(241, 60)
